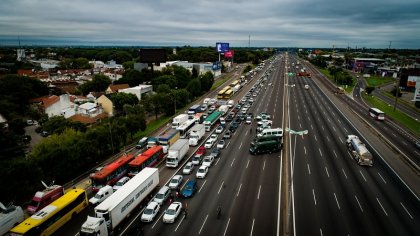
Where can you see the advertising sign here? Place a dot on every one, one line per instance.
(222, 47)
(229, 54)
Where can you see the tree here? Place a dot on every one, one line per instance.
(98, 84)
(206, 81)
(194, 87)
(369, 89)
(120, 99)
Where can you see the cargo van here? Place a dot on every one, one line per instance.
(101, 195)
(275, 131)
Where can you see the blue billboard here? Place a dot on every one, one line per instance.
(222, 47)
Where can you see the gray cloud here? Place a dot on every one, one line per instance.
(272, 23)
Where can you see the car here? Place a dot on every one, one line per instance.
(248, 120)
(219, 130)
(203, 107)
(142, 143)
(209, 144)
(254, 94)
(208, 161)
(189, 189)
(251, 100)
(202, 172)
(227, 134)
(197, 159)
(201, 151)
(211, 109)
(188, 168)
(30, 122)
(175, 182)
(150, 212)
(244, 109)
(120, 183)
(215, 152)
(233, 127)
(222, 122)
(162, 195)
(44, 134)
(213, 137)
(229, 117)
(418, 144)
(221, 144)
(172, 213)
(306, 86)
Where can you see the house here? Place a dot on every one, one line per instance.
(113, 88)
(138, 90)
(89, 109)
(106, 104)
(55, 105)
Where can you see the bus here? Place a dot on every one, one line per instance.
(185, 127)
(234, 83)
(111, 173)
(150, 158)
(376, 113)
(228, 94)
(221, 94)
(52, 217)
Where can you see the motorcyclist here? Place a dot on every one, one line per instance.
(219, 211)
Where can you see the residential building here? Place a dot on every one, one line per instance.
(113, 88)
(138, 90)
(106, 104)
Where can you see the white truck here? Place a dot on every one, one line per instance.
(224, 109)
(111, 212)
(359, 151)
(10, 216)
(196, 134)
(178, 120)
(177, 152)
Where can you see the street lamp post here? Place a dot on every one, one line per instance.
(175, 99)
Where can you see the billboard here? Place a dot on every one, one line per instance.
(222, 47)
(229, 54)
(150, 55)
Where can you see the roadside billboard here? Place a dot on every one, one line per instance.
(222, 47)
(229, 54)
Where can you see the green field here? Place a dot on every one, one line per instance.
(378, 81)
(348, 89)
(219, 82)
(408, 122)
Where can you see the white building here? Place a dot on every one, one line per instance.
(138, 90)
(89, 109)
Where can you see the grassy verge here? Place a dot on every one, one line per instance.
(378, 81)
(152, 127)
(219, 82)
(408, 122)
(348, 89)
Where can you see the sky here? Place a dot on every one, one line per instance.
(241, 23)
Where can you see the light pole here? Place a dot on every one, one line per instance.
(175, 99)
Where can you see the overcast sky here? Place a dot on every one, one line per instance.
(270, 23)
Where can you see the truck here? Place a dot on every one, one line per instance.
(199, 118)
(168, 138)
(113, 210)
(196, 134)
(359, 151)
(152, 141)
(223, 109)
(177, 152)
(194, 109)
(178, 120)
(44, 197)
(211, 120)
(10, 216)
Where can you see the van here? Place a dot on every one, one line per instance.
(162, 195)
(142, 143)
(275, 131)
(230, 103)
(265, 147)
(101, 195)
(120, 183)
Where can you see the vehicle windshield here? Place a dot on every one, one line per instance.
(174, 181)
(201, 170)
(98, 196)
(119, 184)
(188, 187)
(159, 196)
(148, 211)
(170, 212)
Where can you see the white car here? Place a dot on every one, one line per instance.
(248, 120)
(221, 144)
(202, 172)
(175, 181)
(172, 212)
(120, 183)
(208, 161)
(213, 137)
(219, 129)
(188, 168)
(209, 143)
(150, 212)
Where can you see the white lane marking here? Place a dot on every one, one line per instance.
(221, 187)
(202, 185)
(239, 190)
(232, 162)
(340, 139)
(158, 220)
(345, 130)
(309, 170)
(247, 164)
(304, 148)
(338, 204)
(320, 151)
(207, 216)
(377, 199)
(226, 227)
(326, 170)
(264, 165)
(362, 175)
(259, 191)
(344, 173)
(300, 125)
(228, 144)
(358, 203)
(218, 159)
(315, 138)
(381, 177)
(240, 146)
(335, 154)
(312, 127)
(313, 193)
(298, 117)
(334, 129)
(320, 231)
(328, 139)
(406, 211)
(393, 134)
(252, 228)
(322, 127)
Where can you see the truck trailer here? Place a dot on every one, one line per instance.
(113, 210)
(196, 134)
(177, 152)
(178, 120)
(169, 137)
(212, 119)
(359, 151)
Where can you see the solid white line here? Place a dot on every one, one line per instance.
(334, 129)
(362, 175)
(203, 224)
(218, 159)
(259, 190)
(264, 165)
(320, 231)
(252, 228)
(326, 170)
(406, 211)
(240, 146)
(335, 154)
(338, 204)
(221, 187)
(309, 170)
(315, 138)
(313, 193)
(382, 206)
(344, 173)
(227, 144)
(239, 190)
(226, 227)
(340, 139)
(382, 177)
(358, 203)
(247, 164)
(298, 117)
(179, 224)
(202, 185)
(232, 162)
(304, 148)
(320, 151)
(312, 127)
(158, 220)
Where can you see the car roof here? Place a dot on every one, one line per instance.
(177, 176)
(152, 204)
(163, 189)
(191, 182)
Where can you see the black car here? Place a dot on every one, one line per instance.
(229, 118)
(227, 135)
(233, 127)
(215, 152)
